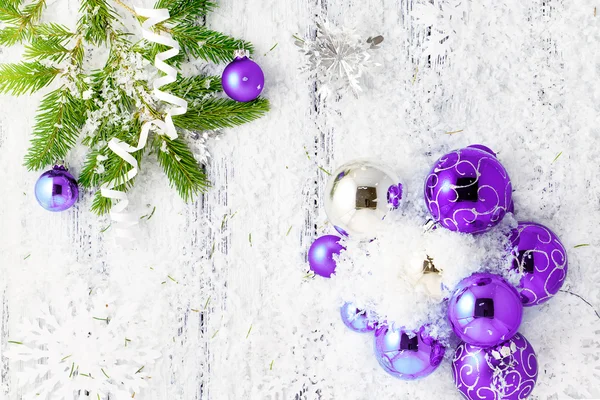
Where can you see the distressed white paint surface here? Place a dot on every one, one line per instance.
(521, 78)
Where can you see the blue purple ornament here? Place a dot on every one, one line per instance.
(507, 371)
(485, 310)
(357, 319)
(468, 190)
(541, 258)
(243, 80)
(321, 252)
(394, 195)
(56, 190)
(407, 355)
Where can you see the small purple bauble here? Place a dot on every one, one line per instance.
(485, 310)
(243, 80)
(394, 195)
(320, 255)
(356, 319)
(468, 190)
(56, 190)
(407, 355)
(507, 371)
(541, 258)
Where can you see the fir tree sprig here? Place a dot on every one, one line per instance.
(179, 165)
(114, 100)
(20, 22)
(194, 87)
(96, 20)
(57, 124)
(25, 77)
(215, 113)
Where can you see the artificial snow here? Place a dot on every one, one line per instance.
(241, 317)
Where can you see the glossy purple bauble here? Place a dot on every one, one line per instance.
(541, 258)
(320, 255)
(243, 80)
(56, 190)
(468, 190)
(407, 355)
(485, 310)
(358, 320)
(507, 371)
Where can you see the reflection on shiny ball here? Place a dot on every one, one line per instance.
(468, 190)
(358, 320)
(542, 259)
(56, 190)
(359, 195)
(407, 355)
(485, 310)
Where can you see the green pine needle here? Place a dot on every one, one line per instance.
(215, 113)
(96, 20)
(194, 87)
(26, 77)
(186, 10)
(58, 120)
(199, 42)
(180, 166)
(50, 49)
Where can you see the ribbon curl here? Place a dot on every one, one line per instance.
(118, 214)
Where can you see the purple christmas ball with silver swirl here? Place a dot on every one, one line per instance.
(405, 354)
(468, 190)
(507, 371)
(541, 258)
(485, 310)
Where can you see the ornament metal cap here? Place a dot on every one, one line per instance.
(241, 53)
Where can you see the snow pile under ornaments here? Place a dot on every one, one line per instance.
(466, 273)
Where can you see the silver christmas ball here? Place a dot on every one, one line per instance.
(359, 195)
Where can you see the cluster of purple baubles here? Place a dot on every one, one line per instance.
(242, 80)
(468, 191)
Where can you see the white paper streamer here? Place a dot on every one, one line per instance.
(118, 214)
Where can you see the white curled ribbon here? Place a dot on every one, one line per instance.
(118, 214)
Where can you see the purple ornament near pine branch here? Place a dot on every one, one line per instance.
(56, 190)
(507, 371)
(485, 310)
(468, 190)
(541, 258)
(243, 80)
(407, 355)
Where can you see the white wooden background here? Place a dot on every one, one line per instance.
(521, 78)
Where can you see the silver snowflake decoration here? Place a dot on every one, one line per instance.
(338, 57)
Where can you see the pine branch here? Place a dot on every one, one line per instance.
(50, 49)
(180, 166)
(25, 78)
(58, 120)
(214, 113)
(89, 176)
(21, 23)
(96, 20)
(114, 168)
(199, 42)
(53, 30)
(110, 167)
(186, 10)
(9, 11)
(194, 87)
